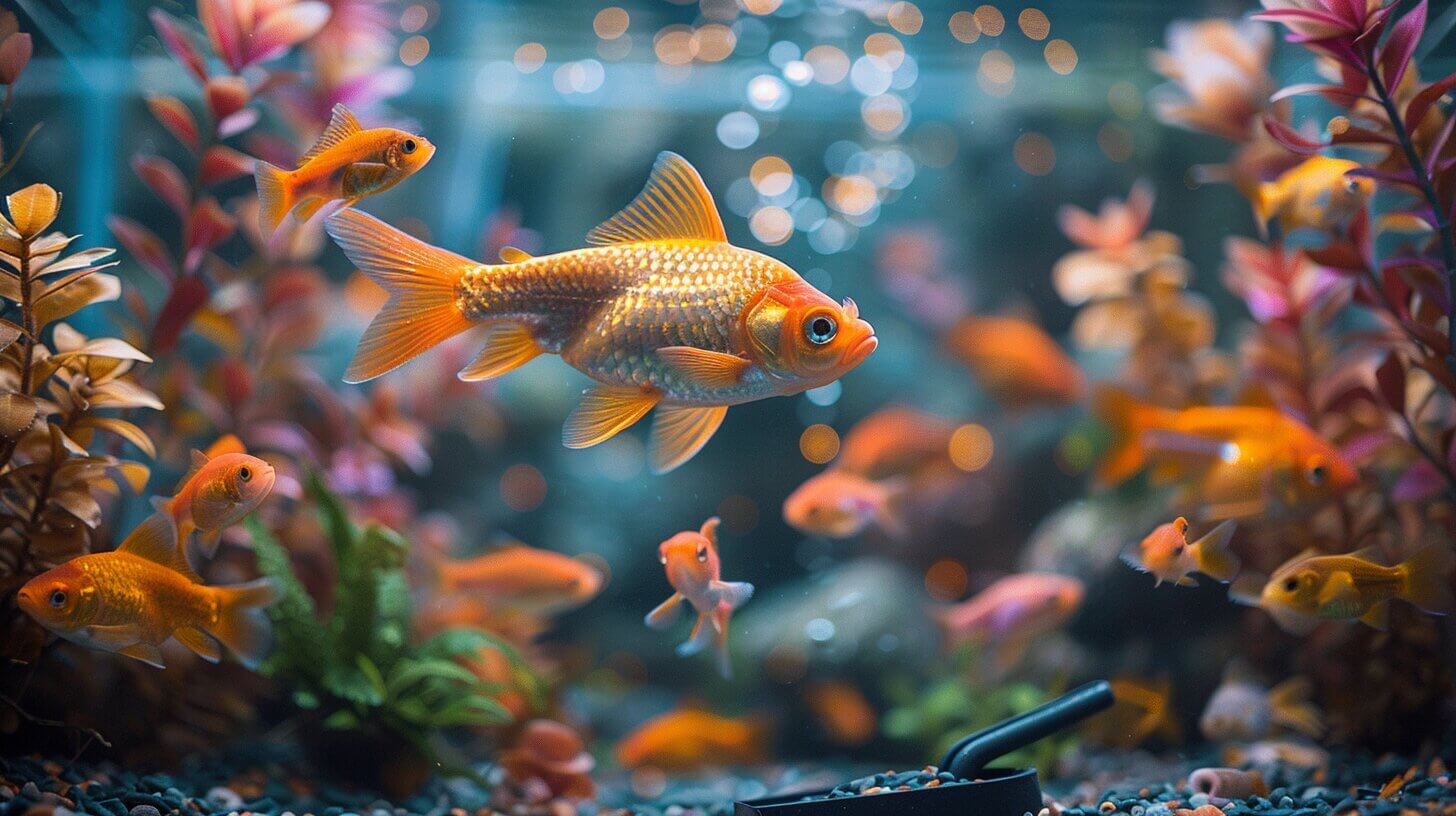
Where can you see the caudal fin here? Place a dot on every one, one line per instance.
(275, 197)
(1426, 583)
(1215, 559)
(241, 624)
(1126, 418)
(421, 281)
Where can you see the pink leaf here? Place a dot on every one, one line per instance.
(207, 227)
(221, 163)
(226, 96)
(14, 56)
(144, 246)
(166, 181)
(1422, 481)
(188, 295)
(237, 123)
(1334, 92)
(1421, 103)
(179, 43)
(1290, 138)
(176, 118)
(1400, 46)
(1390, 377)
(286, 27)
(221, 25)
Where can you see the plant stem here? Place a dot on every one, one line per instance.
(1428, 190)
(1430, 456)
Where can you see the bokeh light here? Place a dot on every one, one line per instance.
(990, 20)
(1061, 56)
(905, 17)
(530, 57)
(1034, 23)
(971, 447)
(963, 27)
(611, 22)
(819, 444)
(946, 580)
(1035, 154)
(523, 487)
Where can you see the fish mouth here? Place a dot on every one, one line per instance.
(861, 350)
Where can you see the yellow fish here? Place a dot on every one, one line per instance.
(661, 312)
(132, 600)
(347, 162)
(1314, 193)
(1167, 555)
(1311, 588)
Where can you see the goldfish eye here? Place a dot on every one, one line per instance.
(408, 146)
(1291, 584)
(58, 598)
(702, 555)
(820, 329)
(1318, 475)
(245, 473)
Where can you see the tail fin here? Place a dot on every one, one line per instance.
(421, 281)
(892, 515)
(1291, 707)
(1263, 200)
(241, 624)
(1127, 419)
(1426, 583)
(1215, 559)
(275, 197)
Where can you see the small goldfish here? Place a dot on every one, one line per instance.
(1016, 361)
(693, 569)
(690, 738)
(1314, 193)
(844, 713)
(1012, 612)
(1167, 555)
(522, 578)
(132, 600)
(1242, 709)
(894, 441)
(1141, 710)
(662, 312)
(840, 504)
(224, 485)
(1311, 588)
(347, 162)
(1237, 460)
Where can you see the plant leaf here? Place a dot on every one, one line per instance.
(1400, 45)
(175, 117)
(33, 208)
(165, 180)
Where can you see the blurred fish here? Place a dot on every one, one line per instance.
(1016, 361)
(1314, 193)
(839, 504)
(894, 441)
(133, 599)
(1009, 614)
(224, 485)
(1142, 709)
(522, 578)
(347, 162)
(1241, 709)
(844, 713)
(1236, 460)
(690, 738)
(1311, 588)
(691, 561)
(1166, 554)
(1278, 756)
(662, 312)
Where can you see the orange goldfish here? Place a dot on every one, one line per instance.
(1016, 361)
(661, 312)
(134, 599)
(1167, 555)
(1237, 460)
(894, 441)
(1141, 710)
(690, 738)
(1314, 193)
(840, 504)
(1311, 588)
(1012, 612)
(224, 485)
(693, 569)
(522, 578)
(347, 162)
(844, 713)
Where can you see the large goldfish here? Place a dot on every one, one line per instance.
(1317, 193)
(1236, 460)
(522, 578)
(1311, 588)
(132, 600)
(690, 738)
(1166, 554)
(662, 312)
(1016, 361)
(224, 485)
(691, 561)
(346, 163)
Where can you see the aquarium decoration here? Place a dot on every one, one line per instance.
(330, 491)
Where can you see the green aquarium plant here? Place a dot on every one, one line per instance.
(356, 668)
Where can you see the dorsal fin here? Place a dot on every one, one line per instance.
(227, 443)
(512, 254)
(156, 540)
(198, 460)
(674, 204)
(342, 125)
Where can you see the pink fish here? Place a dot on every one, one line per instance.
(693, 569)
(1012, 612)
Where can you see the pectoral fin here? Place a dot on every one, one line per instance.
(662, 616)
(680, 431)
(1377, 617)
(1338, 598)
(508, 346)
(710, 369)
(699, 640)
(604, 412)
(362, 178)
(110, 638)
(734, 593)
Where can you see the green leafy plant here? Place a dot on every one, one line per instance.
(357, 667)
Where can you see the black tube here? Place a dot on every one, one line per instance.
(967, 757)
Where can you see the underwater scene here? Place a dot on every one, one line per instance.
(709, 407)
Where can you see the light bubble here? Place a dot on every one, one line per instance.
(820, 630)
(767, 92)
(825, 395)
(1035, 154)
(971, 447)
(905, 17)
(741, 197)
(771, 225)
(414, 50)
(808, 214)
(771, 176)
(713, 42)
(885, 48)
(782, 53)
(615, 49)
(738, 130)
(798, 73)
(530, 57)
(1115, 141)
(1061, 56)
(851, 195)
(963, 27)
(838, 156)
(675, 45)
(830, 64)
(611, 22)
(414, 18)
(761, 6)
(990, 20)
(884, 115)
(832, 236)
(869, 76)
(819, 443)
(1034, 23)
(1125, 100)
(522, 487)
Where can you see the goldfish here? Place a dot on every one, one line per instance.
(660, 312)
(1314, 193)
(1236, 460)
(132, 600)
(1141, 710)
(840, 504)
(522, 578)
(224, 485)
(1012, 612)
(844, 713)
(690, 738)
(1017, 362)
(894, 441)
(346, 163)
(1242, 709)
(692, 565)
(1166, 554)
(1311, 588)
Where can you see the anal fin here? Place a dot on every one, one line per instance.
(200, 642)
(508, 346)
(604, 412)
(145, 652)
